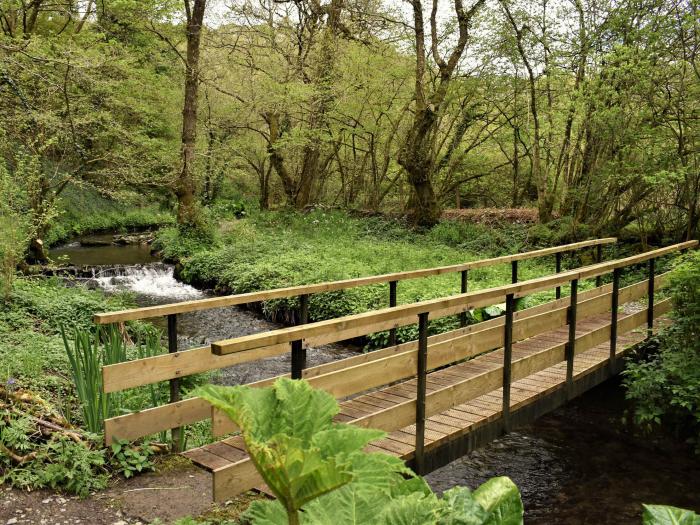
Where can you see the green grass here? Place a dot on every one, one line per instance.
(83, 211)
(277, 249)
(31, 348)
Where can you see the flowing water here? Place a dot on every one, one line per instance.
(581, 465)
(576, 465)
(132, 268)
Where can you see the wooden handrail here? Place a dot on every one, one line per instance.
(407, 314)
(154, 369)
(292, 291)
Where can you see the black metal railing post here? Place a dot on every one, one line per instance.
(303, 309)
(392, 303)
(422, 373)
(571, 344)
(463, 289)
(507, 360)
(599, 259)
(298, 350)
(650, 300)
(558, 270)
(514, 272)
(613, 319)
(176, 434)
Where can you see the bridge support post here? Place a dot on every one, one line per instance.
(507, 359)
(176, 433)
(392, 303)
(558, 270)
(599, 259)
(514, 272)
(571, 345)
(613, 320)
(298, 350)
(463, 289)
(422, 373)
(650, 301)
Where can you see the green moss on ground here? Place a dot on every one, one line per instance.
(83, 211)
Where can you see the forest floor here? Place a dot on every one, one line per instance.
(165, 496)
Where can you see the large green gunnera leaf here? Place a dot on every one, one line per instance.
(665, 515)
(291, 438)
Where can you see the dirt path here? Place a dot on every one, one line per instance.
(167, 496)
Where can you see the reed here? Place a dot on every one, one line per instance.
(88, 351)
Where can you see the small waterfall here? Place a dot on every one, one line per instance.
(156, 280)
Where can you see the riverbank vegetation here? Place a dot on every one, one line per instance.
(663, 383)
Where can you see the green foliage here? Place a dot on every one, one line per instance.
(128, 459)
(83, 210)
(88, 351)
(666, 515)
(31, 347)
(320, 474)
(665, 387)
(272, 249)
(58, 462)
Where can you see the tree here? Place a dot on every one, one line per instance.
(416, 154)
(188, 213)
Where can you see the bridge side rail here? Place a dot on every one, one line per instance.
(466, 341)
(236, 477)
(309, 289)
(303, 292)
(179, 413)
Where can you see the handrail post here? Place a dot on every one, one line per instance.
(463, 289)
(613, 319)
(650, 301)
(298, 350)
(176, 433)
(298, 358)
(571, 344)
(558, 270)
(422, 373)
(599, 259)
(507, 360)
(514, 271)
(392, 303)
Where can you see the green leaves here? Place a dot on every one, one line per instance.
(666, 515)
(501, 499)
(292, 440)
(320, 474)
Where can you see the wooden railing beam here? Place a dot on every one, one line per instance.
(292, 291)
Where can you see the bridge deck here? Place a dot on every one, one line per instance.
(456, 424)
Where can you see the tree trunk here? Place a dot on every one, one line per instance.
(188, 210)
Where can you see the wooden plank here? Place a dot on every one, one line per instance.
(154, 420)
(293, 291)
(206, 459)
(234, 479)
(359, 324)
(141, 372)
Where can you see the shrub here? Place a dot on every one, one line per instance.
(664, 387)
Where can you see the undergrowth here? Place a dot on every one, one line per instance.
(663, 382)
(83, 210)
(278, 249)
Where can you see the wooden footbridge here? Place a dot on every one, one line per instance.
(439, 396)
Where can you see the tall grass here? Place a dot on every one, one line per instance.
(88, 351)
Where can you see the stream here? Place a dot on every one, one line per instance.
(576, 465)
(132, 268)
